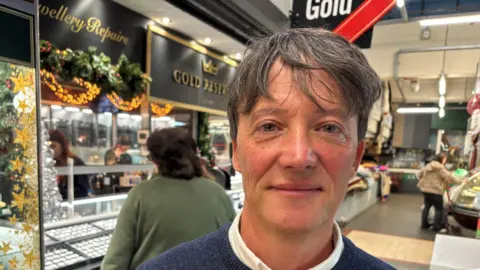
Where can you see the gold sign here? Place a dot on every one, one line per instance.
(188, 79)
(209, 67)
(92, 24)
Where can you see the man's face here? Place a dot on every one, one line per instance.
(295, 158)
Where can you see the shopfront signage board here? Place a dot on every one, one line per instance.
(18, 32)
(186, 74)
(78, 24)
(353, 19)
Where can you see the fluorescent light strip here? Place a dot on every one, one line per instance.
(418, 110)
(450, 20)
(72, 109)
(400, 3)
(56, 107)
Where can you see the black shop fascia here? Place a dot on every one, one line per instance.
(186, 74)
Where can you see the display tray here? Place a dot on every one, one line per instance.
(78, 246)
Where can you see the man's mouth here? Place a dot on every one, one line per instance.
(297, 189)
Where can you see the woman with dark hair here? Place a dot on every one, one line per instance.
(61, 154)
(176, 206)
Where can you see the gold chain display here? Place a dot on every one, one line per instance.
(64, 94)
(20, 248)
(159, 111)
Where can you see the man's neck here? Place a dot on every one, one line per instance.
(280, 251)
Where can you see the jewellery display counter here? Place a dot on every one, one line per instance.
(466, 210)
(81, 241)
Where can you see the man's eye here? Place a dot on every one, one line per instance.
(268, 127)
(330, 129)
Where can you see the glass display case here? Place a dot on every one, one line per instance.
(219, 129)
(81, 241)
(466, 210)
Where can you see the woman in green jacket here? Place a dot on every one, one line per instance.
(174, 207)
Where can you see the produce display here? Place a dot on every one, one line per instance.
(465, 206)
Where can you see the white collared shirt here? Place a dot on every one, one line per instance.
(246, 256)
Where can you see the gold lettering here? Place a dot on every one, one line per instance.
(52, 13)
(198, 82)
(206, 82)
(44, 10)
(215, 88)
(107, 34)
(93, 24)
(177, 76)
(185, 78)
(102, 31)
(68, 19)
(78, 25)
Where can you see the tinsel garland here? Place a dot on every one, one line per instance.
(52, 209)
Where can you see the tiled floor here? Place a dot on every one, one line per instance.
(391, 231)
(395, 248)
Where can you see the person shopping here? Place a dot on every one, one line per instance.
(61, 154)
(434, 179)
(176, 206)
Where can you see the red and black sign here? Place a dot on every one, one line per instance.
(352, 19)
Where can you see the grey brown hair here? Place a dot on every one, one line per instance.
(305, 50)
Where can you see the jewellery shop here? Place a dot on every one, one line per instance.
(80, 92)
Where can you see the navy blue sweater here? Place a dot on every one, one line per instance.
(214, 252)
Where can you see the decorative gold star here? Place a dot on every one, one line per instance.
(21, 137)
(27, 227)
(16, 188)
(5, 247)
(17, 164)
(29, 258)
(20, 82)
(22, 105)
(19, 200)
(13, 220)
(13, 262)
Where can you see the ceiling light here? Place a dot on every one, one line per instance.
(166, 20)
(225, 57)
(238, 56)
(87, 111)
(180, 124)
(193, 42)
(400, 3)
(207, 41)
(442, 85)
(123, 115)
(56, 107)
(151, 22)
(451, 20)
(418, 110)
(72, 109)
(441, 113)
(441, 102)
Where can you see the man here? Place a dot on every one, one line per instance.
(298, 111)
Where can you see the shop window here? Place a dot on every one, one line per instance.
(219, 129)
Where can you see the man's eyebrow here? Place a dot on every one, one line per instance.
(267, 111)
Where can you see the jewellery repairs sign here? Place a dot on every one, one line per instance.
(186, 73)
(353, 19)
(78, 24)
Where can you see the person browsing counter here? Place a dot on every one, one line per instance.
(298, 112)
(176, 206)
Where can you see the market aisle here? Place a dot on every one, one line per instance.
(391, 231)
(399, 216)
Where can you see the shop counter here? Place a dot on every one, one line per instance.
(357, 202)
(453, 252)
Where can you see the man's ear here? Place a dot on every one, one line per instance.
(236, 164)
(359, 154)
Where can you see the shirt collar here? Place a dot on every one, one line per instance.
(246, 256)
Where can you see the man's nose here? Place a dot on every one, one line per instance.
(297, 150)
